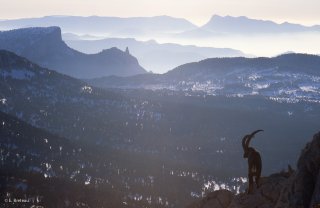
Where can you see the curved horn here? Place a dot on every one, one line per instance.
(251, 136)
(244, 141)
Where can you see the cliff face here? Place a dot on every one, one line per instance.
(287, 189)
(306, 185)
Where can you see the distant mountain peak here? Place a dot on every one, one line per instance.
(114, 51)
(243, 24)
(215, 16)
(228, 18)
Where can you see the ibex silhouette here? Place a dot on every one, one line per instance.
(254, 160)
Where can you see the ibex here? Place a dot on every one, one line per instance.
(254, 160)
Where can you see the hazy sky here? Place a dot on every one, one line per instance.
(196, 11)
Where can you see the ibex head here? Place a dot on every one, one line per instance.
(246, 141)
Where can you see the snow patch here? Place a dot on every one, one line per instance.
(3, 101)
(254, 77)
(308, 88)
(86, 89)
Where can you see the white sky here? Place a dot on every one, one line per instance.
(197, 11)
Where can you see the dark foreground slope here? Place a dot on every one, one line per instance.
(45, 170)
(287, 189)
(45, 47)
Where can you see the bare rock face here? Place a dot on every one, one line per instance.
(306, 186)
(287, 189)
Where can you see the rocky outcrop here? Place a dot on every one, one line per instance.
(306, 186)
(221, 198)
(287, 189)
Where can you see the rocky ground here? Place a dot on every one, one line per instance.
(287, 189)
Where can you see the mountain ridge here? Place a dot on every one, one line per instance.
(45, 47)
(230, 62)
(154, 56)
(144, 26)
(299, 59)
(243, 24)
(285, 78)
(102, 24)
